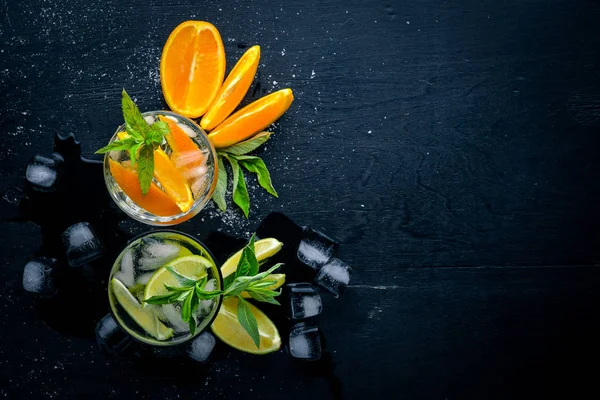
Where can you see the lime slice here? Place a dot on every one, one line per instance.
(263, 249)
(280, 278)
(144, 317)
(228, 329)
(194, 267)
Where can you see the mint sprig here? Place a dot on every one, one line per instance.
(246, 278)
(238, 159)
(141, 141)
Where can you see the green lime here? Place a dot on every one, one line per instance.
(193, 267)
(144, 317)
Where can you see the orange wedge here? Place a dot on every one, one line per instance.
(233, 90)
(155, 201)
(251, 119)
(172, 181)
(192, 67)
(177, 138)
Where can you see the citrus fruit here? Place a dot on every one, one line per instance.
(233, 89)
(172, 181)
(144, 317)
(279, 278)
(251, 119)
(192, 67)
(155, 201)
(227, 328)
(193, 267)
(263, 249)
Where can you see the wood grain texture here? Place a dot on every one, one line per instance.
(423, 134)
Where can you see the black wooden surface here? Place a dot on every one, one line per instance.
(451, 146)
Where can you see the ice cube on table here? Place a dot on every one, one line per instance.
(305, 342)
(43, 173)
(155, 254)
(305, 301)
(82, 244)
(39, 276)
(125, 274)
(201, 347)
(110, 337)
(334, 276)
(315, 248)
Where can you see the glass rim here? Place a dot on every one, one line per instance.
(168, 343)
(142, 215)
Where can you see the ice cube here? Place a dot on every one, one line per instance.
(316, 248)
(150, 119)
(110, 337)
(43, 173)
(305, 342)
(142, 279)
(190, 158)
(201, 347)
(125, 274)
(82, 244)
(206, 306)
(195, 172)
(38, 276)
(334, 276)
(305, 301)
(155, 254)
(188, 131)
(172, 316)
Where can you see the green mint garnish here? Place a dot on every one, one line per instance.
(246, 278)
(141, 142)
(237, 157)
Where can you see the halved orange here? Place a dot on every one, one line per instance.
(155, 201)
(233, 90)
(251, 119)
(192, 67)
(172, 181)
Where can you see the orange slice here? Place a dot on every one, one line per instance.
(172, 181)
(251, 119)
(233, 90)
(155, 201)
(192, 67)
(186, 156)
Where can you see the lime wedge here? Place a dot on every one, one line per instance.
(227, 328)
(280, 278)
(194, 267)
(144, 317)
(263, 249)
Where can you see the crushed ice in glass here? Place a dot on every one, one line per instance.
(43, 173)
(201, 347)
(82, 244)
(334, 276)
(305, 342)
(155, 254)
(125, 274)
(38, 276)
(315, 248)
(305, 301)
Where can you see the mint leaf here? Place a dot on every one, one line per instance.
(221, 188)
(186, 307)
(240, 192)
(157, 131)
(145, 167)
(248, 321)
(133, 152)
(247, 146)
(263, 295)
(193, 308)
(257, 166)
(133, 116)
(182, 279)
(117, 145)
(163, 299)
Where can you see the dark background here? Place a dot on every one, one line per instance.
(451, 146)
